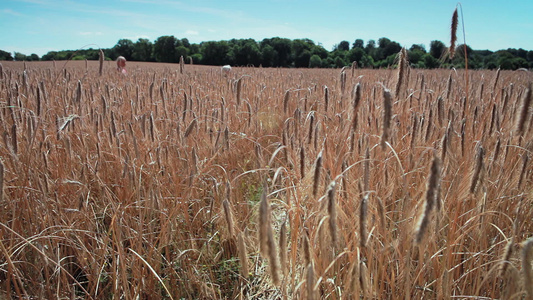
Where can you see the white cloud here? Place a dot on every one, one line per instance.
(191, 32)
(8, 11)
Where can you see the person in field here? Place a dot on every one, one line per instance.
(121, 65)
(226, 70)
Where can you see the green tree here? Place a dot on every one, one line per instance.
(419, 47)
(343, 58)
(185, 42)
(182, 51)
(430, 61)
(124, 47)
(367, 61)
(246, 51)
(49, 56)
(194, 48)
(356, 54)
(329, 62)
(490, 61)
(283, 48)
(359, 43)
(165, 49)
(20, 57)
(269, 56)
(343, 46)
(91, 54)
(458, 60)
(415, 55)
(301, 51)
(370, 45)
(303, 60)
(142, 50)
(34, 57)
(386, 48)
(530, 56)
(4, 55)
(320, 51)
(339, 62)
(519, 62)
(315, 61)
(197, 58)
(436, 49)
(215, 53)
(505, 60)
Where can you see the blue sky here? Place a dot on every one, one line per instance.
(39, 26)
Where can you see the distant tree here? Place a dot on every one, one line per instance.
(388, 61)
(370, 45)
(415, 55)
(196, 58)
(281, 52)
(320, 51)
(529, 56)
(339, 58)
(182, 51)
(356, 54)
(48, 56)
(460, 49)
(430, 61)
(303, 60)
(269, 56)
(301, 51)
(300, 45)
(519, 62)
(383, 42)
(91, 54)
(339, 62)
(393, 48)
(419, 47)
(4, 55)
(343, 46)
(359, 43)
(315, 61)
(505, 60)
(387, 48)
(165, 49)
(194, 48)
(215, 53)
(329, 62)
(283, 48)
(459, 57)
(20, 57)
(246, 51)
(142, 50)
(185, 42)
(367, 61)
(436, 49)
(124, 47)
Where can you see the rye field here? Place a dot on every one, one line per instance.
(180, 182)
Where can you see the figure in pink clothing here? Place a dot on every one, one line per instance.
(121, 65)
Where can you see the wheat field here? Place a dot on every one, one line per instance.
(183, 183)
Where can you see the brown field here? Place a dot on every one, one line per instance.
(264, 184)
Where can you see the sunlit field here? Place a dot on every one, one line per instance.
(185, 183)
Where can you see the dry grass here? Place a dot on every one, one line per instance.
(453, 34)
(150, 185)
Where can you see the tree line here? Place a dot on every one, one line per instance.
(299, 53)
